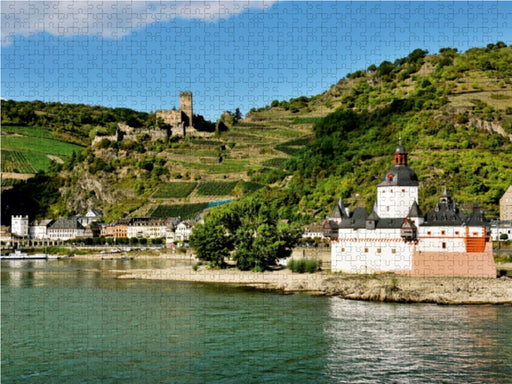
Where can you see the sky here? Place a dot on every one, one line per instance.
(245, 54)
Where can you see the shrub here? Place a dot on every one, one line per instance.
(304, 265)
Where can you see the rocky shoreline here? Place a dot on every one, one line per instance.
(377, 287)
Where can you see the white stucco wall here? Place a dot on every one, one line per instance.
(395, 201)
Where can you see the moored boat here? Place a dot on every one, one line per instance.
(18, 255)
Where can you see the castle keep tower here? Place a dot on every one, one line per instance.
(186, 107)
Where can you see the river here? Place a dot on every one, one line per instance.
(71, 321)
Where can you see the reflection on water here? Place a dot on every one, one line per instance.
(71, 321)
(83, 273)
(383, 342)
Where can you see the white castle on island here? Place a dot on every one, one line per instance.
(396, 237)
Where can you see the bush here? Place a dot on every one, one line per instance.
(305, 265)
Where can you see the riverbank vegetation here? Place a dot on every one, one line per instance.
(248, 232)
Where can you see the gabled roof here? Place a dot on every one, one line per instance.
(67, 223)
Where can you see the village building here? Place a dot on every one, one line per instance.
(313, 232)
(66, 228)
(19, 225)
(506, 205)
(92, 215)
(183, 231)
(501, 230)
(38, 229)
(396, 237)
(146, 228)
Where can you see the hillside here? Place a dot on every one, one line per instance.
(453, 111)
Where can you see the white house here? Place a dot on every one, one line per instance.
(19, 225)
(183, 231)
(396, 237)
(39, 229)
(66, 228)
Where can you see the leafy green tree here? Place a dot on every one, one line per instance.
(211, 243)
(247, 230)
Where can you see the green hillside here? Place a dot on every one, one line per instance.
(453, 111)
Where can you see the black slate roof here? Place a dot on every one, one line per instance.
(445, 213)
(400, 175)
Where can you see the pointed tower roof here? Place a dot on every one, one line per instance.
(339, 210)
(373, 216)
(414, 211)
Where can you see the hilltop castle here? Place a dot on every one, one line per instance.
(396, 237)
(180, 120)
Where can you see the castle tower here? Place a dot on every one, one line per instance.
(399, 188)
(186, 107)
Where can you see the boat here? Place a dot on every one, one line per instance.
(18, 255)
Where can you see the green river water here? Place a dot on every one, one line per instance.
(70, 321)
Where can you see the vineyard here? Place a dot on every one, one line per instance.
(216, 188)
(15, 162)
(26, 149)
(176, 190)
(249, 186)
(277, 162)
(185, 211)
(292, 147)
(41, 145)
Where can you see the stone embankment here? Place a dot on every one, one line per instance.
(378, 287)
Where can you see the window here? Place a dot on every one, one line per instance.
(342, 249)
(475, 233)
(443, 233)
(378, 250)
(444, 245)
(403, 190)
(456, 232)
(429, 233)
(366, 250)
(393, 250)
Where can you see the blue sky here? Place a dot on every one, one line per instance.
(245, 54)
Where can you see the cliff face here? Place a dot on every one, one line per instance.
(490, 126)
(91, 192)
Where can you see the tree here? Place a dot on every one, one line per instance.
(238, 116)
(211, 243)
(248, 231)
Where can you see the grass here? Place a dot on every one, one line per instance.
(28, 131)
(41, 145)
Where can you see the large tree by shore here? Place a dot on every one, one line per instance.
(248, 231)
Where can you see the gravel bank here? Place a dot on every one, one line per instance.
(379, 287)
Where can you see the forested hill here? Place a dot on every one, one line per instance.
(71, 123)
(453, 112)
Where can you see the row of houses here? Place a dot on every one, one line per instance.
(89, 226)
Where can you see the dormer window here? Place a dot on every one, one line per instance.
(390, 177)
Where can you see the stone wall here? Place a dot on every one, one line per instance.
(454, 264)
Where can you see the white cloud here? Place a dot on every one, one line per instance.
(110, 19)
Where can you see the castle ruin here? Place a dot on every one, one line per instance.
(181, 121)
